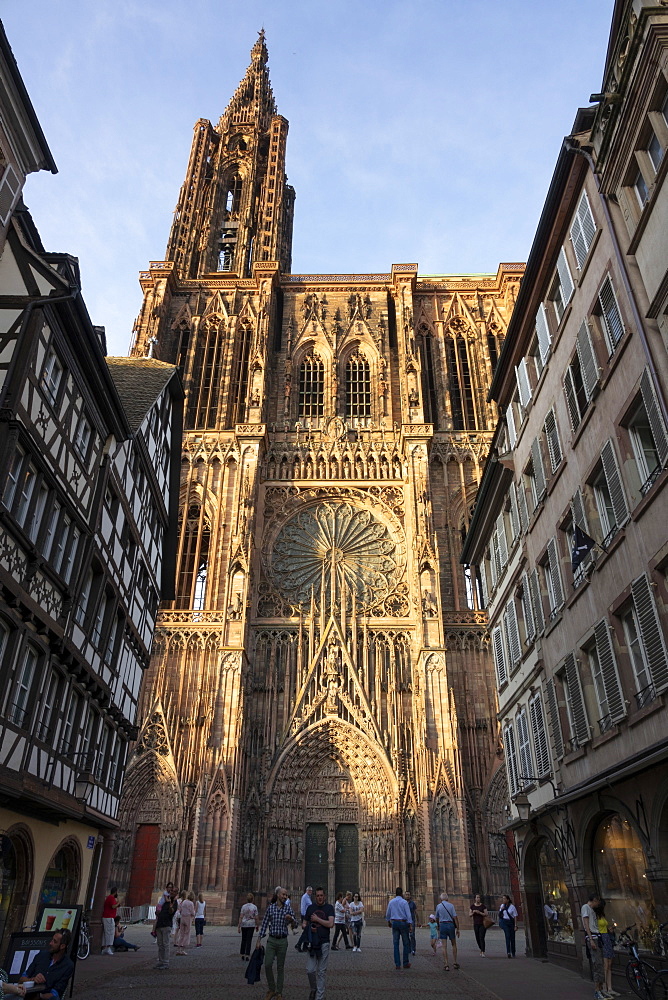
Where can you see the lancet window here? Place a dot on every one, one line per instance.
(233, 197)
(460, 384)
(194, 561)
(205, 379)
(429, 396)
(237, 399)
(358, 386)
(311, 387)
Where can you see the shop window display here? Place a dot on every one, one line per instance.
(556, 902)
(620, 868)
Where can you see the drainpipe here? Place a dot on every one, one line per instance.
(625, 278)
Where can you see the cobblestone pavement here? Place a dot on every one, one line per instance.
(216, 971)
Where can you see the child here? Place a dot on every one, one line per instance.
(433, 932)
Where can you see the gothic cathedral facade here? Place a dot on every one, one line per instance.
(320, 706)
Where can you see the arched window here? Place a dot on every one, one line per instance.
(233, 196)
(620, 867)
(429, 397)
(358, 386)
(236, 404)
(311, 387)
(193, 565)
(205, 379)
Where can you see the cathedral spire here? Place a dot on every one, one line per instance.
(253, 101)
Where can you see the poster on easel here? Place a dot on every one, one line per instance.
(59, 918)
(21, 950)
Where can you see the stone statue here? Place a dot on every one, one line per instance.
(331, 848)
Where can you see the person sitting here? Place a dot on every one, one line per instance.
(10, 989)
(120, 944)
(52, 967)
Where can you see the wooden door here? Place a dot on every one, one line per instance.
(144, 863)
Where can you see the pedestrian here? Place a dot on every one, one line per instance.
(607, 936)
(108, 921)
(398, 916)
(164, 897)
(593, 943)
(551, 916)
(163, 928)
(448, 929)
(304, 904)
(340, 922)
(507, 920)
(433, 932)
(249, 921)
(277, 920)
(120, 944)
(186, 917)
(478, 911)
(413, 908)
(356, 910)
(200, 919)
(318, 921)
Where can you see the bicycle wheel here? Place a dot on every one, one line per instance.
(659, 989)
(83, 951)
(639, 976)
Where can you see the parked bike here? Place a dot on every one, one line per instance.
(639, 974)
(83, 949)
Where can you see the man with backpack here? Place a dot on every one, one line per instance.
(317, 923)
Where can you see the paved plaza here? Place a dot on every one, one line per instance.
(216, 971)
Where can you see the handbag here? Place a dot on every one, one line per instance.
(487, 923)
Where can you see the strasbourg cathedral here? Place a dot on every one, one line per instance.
(320, 705)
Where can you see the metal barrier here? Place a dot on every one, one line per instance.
(124, 913)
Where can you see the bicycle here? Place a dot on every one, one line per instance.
(639, 974)
(83, 947)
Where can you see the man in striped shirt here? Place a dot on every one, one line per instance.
(277, 919)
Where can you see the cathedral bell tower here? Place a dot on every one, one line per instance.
(236, 206)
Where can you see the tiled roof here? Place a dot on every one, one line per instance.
(139, 382)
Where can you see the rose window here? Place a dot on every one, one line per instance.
(334, 549)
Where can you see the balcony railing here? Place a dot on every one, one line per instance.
(606, 723)
(610, 535)
(651, 479)
(573, 744)
(646, 695)
(17, 714)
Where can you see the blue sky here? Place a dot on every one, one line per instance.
(420, 130)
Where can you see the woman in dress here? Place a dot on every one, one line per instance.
(356, 910)
(200, 919)
(249, 922)
(478, 911)
(187, 915)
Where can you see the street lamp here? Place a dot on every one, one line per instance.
(523, 806)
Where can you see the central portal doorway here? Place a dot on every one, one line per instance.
(347, 872)
(316, 855)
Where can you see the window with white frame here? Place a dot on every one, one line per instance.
(46, 729)
(25, 678)
(575, 703)
(500, 659)
(535, 474)
(543, 338)
(82, 438)
(527, 609)
(67, 745)
(645, 641)
(84, 599)
(524, 749)
(609, 494)
(562, 286)
(603, 667)
(581, 377)
(539, 735)
(52, 375)
(524, 390)
(554, 717)
(553, 584)
(552, 437)
(512, 633)
(583, 230)
(648, 434)
(536, 601)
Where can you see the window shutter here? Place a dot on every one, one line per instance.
(536, 601)
(612, 320)
(543, 333)
(538, 468)
(482, 572)
(555, 721)
(523, 384)
(553, 443)
(571, 399)
(539, 733)
(502, 541)
(608, 665)
(499, 655)
(529, 624)
(555, 574)
(512, 632)
(651, 632)
(10, 188)
(588, 364)
(578, 511)
(496, 558)
(510, 423)
(524, 747)
(565, 276)
(492, 563)
(514, 515)
(511, 758)
(583, 230)
(522, 506)
(614, 481)
(654, 416)
(578, 710)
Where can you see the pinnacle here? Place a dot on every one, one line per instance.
(253, 100)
